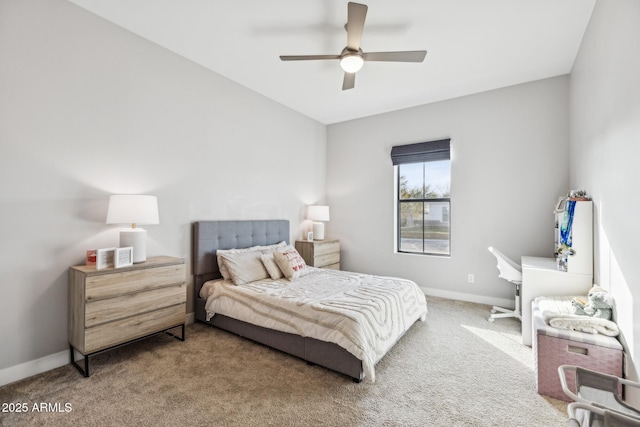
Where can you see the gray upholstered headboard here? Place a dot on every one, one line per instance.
(209, 236)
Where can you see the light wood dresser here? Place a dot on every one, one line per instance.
(114, 306)
(320, 253)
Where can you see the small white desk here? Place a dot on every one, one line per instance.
(540, 277)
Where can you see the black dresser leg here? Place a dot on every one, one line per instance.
(84, 371)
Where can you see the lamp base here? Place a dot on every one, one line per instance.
(318, 231)
(137, 239)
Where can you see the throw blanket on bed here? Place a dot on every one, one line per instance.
(364, 314)
(592, 325)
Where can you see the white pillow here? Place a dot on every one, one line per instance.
(291, 263)
(245, 267)
(224, 271)
(223, 268)
(272, 267)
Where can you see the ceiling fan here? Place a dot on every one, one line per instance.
(352, 57)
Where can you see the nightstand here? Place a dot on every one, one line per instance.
(115, 306)
(320, 253)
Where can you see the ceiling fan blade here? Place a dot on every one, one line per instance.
(407, 56)
(356, 14)
(307, 57)
(349, 81)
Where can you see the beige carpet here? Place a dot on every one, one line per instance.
(455, 369)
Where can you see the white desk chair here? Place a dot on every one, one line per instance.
(511, 272)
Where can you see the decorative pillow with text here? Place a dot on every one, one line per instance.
(291, 263)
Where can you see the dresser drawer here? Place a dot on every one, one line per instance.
(107, 310)
(325, 248)
(108, 285)
(327, 259)
(320, 253)
(130, 328)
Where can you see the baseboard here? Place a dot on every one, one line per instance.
(500, 302)
(33, 367)
(46, 363)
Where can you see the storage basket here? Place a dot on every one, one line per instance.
(554, 347)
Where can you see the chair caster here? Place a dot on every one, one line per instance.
(491, 319)
(494, 311)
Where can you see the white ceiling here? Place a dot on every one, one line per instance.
(472, 46)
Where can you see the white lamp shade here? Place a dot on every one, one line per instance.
(318, 213)
(133, 209)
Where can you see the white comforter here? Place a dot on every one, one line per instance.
(363, 314)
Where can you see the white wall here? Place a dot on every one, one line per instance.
(605, 148)
(88, 109)
(509, 165)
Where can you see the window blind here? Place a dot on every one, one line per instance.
(421, 152)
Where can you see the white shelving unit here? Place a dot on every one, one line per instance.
(542, 277)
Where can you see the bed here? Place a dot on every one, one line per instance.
(249, 309)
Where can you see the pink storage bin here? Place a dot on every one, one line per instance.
(554, 347)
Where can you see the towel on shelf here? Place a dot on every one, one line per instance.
(591, 325)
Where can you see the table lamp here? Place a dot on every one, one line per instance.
(135, 210)
(317, 214)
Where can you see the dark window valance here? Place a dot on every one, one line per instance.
(421, 152)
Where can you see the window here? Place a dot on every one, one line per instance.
(423, 208)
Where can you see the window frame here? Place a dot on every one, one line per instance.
(423, 153)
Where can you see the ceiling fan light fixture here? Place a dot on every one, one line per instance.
(352, 58)
(351, 62)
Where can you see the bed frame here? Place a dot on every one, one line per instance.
(208, 237)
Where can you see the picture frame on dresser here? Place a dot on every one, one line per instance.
(105, 258)
(123, 257)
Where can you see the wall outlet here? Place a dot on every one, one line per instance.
(471, 278)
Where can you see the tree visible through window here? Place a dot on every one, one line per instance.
(423, 197)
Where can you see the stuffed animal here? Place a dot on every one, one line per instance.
(597, 304)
